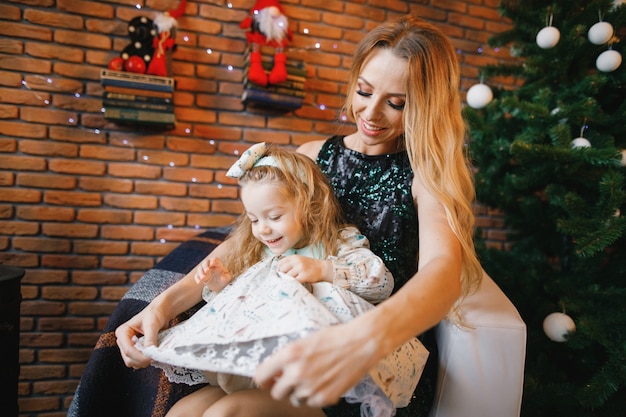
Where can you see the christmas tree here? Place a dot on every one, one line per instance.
(550, 156)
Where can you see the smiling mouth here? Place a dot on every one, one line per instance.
(371, 127)
(273, 241)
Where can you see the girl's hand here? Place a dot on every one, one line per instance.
(213, 274)
(305, 269)
(146, 323)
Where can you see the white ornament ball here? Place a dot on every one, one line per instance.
(609, 61)
(581, 143)
(600, 33)
(479, 95)
(557, 326)
(548, 37)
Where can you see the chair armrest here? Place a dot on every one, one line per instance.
(481, 366)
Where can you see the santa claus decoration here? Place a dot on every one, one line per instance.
(166, 24)
(267, 25)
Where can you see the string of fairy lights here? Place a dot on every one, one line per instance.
(478, 96)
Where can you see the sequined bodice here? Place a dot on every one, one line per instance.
(375, 195)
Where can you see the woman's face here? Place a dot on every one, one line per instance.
(378, 102)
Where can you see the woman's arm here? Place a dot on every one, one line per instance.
(324, 365)
(178, 298)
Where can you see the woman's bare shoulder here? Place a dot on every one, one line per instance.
(311, 149)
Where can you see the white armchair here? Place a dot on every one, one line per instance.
(481, 368)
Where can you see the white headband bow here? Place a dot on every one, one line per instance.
(251, 157)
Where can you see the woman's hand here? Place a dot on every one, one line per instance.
(318, 369)
(147, 323)
(305, 269)
(213, 274)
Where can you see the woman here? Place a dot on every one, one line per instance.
(404, 166)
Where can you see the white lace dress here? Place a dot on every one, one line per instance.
(263, 310)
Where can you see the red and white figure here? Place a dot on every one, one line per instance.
(165, 23)
(266, 24)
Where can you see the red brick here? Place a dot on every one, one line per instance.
(55, 387)
(34, 404)
(100, 247)
(105, 184)
(113, 293)
(69, 166)
(18, 228)
(131, 201)
(46, 181)
(46, 18)
(42, 308)
(20, 195)
(159, 218)
(62, 214)
(45, 276)
(127, 263)
(69, 262)
(38, 372)
(70, 230)
(104, 216)
(64, 355)
(189, 175)
(72, 198)
(184, 204)
(41, 339)
(92, 308)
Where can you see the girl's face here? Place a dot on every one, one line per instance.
(273, 215)
(378, 102)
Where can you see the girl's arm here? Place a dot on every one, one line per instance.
(178, 298)
(323, 366)
(358, 269)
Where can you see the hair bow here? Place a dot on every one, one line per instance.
(253, 156)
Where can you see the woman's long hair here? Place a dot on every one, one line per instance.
(434, 128)
(300, 180)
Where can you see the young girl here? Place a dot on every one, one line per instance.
(291, 226)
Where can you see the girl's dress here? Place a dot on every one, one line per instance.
(375, 195)
(262, 310)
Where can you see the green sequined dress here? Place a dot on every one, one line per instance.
(375, 195)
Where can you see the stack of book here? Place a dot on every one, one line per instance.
(288, 95)
(132, 98)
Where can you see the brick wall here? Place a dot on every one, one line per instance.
(87, 206)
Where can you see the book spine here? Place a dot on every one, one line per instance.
(135, 84)
(137, 115)
(138, 92)
(271, 99)
(134, 97)
(132, 104)
(165, 82)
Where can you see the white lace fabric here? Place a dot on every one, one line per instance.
(260, 312)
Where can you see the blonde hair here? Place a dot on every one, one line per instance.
(434, 128)
(317, 208)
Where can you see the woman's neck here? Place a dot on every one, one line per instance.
(354, 143)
